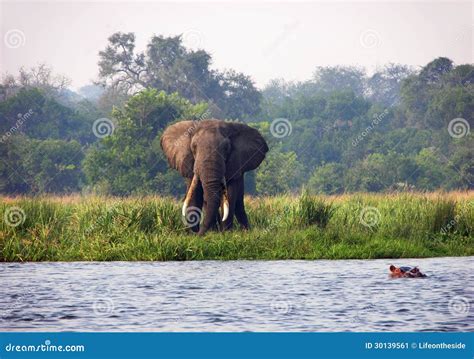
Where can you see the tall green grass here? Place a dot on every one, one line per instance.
(283, 227)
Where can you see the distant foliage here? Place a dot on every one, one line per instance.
(40, 166)
(280, 172)
(391, 131)
(398, 129)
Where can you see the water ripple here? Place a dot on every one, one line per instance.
(352, 295)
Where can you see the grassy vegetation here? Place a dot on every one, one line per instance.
(284, 227)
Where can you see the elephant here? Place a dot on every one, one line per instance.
(213, 155)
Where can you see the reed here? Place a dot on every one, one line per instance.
(74, 228)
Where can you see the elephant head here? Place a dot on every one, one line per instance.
(209, 154)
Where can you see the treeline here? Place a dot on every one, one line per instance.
(340, 131)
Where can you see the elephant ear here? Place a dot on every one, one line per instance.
(176, 145)
(248, 149)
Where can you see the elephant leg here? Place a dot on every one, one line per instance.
(240, 207)
(232, 195)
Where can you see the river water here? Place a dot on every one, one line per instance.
(343, 295)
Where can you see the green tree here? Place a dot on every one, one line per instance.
(13, 177)
(328, 179)
(40, 166)
(53, 166)
(33, 113)
(130, 161)
(168, 66)
(438, 94)
(433, 171)
(340, 78)
(280, 172)
(461, 162)
(378, 172)
(384, 85)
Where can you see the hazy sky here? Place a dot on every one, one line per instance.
(263, 39)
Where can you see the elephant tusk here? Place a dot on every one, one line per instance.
(189, 195)
(185, 207)
(225, 203)
(226, 209)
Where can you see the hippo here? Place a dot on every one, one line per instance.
(405, 272)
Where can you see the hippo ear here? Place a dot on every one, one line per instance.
(176, 145)
(393, 268)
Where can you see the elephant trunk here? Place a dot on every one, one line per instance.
(213, 192)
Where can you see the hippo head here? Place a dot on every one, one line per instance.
(405, 272)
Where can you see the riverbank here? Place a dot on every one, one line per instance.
(86, 228)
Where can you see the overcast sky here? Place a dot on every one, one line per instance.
(262, 39)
